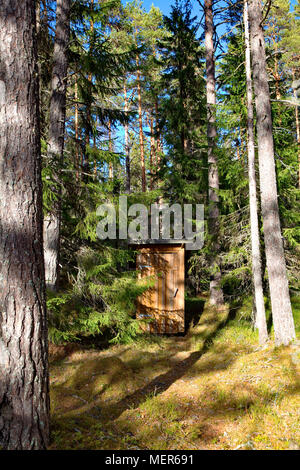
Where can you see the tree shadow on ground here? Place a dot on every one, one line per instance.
(171, 363)
(150, 373)
(194, 307)
(208, 327)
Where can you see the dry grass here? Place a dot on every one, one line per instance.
(212, 389)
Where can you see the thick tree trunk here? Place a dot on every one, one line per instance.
(24, 394)
(141, 127)
(56, 136)
(260, 317)
(279, 292)
(127, 148)
(216, 293)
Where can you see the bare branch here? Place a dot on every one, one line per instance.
(269, 4)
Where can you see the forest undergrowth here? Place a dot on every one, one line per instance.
(212, 388)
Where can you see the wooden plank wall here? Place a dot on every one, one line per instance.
(164, 302)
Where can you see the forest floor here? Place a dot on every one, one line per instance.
(213, 388)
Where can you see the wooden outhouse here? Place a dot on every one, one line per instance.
(162, 304)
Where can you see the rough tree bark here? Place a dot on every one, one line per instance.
(56, 136)
(260, 319)
(127, 148)
(216, 293)
(279, 291)
(24, 394)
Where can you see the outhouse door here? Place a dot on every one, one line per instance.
(163, 303)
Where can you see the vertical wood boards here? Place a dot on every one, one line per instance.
(163, 302)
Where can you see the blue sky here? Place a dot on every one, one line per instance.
(164, 5)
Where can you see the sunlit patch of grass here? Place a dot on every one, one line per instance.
(295, 300)
(210, 321)
(234, 394)
(166, 410)
(157, 423)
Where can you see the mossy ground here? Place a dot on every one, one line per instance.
(213, 388)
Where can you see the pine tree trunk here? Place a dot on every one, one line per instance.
(38, 16)
(85, 165)
(161, 144)
(141, 128)
(95, 147)
(260, 317)
(127, 149)
(279, 292)
(152, 150)
(110, 148)
(297, 130)
(216, 293)
(45, 12)
(157, 132)
(56, 136)
(298, 139)
(76, 131)
(24, 390)
(38, 30)
(276, 76)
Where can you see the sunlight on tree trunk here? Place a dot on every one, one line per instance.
(56, 138)
(127, 148)
(260, 320)
(152, 149)
(279, 291)
(141, 127)
(297, 130)
(216, 293)
(24, 394)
